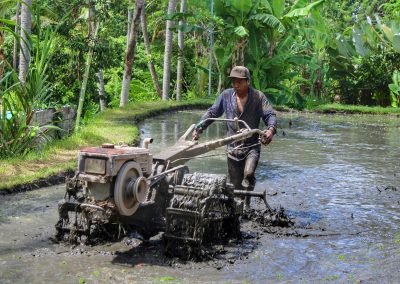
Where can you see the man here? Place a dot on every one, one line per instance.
(249, 105)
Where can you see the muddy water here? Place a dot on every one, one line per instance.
(336, 176)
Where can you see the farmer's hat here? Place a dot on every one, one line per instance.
(240, 72)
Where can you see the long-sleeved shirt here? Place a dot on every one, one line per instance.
(256, 108)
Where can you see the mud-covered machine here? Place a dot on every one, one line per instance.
(116, 188)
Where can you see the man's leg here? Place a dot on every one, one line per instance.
(249, 179)
(236, 171)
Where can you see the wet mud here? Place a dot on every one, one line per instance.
(336, 178)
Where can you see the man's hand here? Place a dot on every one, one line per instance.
(196, 133)
(266, 138)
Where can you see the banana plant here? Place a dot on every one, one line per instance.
(395, 89)
(368, 36)
(259, 35)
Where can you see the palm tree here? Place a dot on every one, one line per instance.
(26, 26)
(17, 24)
(102, 92)
(148, 51)
(92, 33)
(2, 55)
(168, 52)
(130, 53)
(179, 72)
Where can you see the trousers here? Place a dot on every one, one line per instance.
(242, 172)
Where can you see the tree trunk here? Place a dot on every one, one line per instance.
(102, 92)
(25, 54)
(18, 23)
(130, 53)
(128, 31)
(168, 52)
(318, 84)
(2, 55)
(148, 52)
(179, 71)
(93, 28)
(92, 19)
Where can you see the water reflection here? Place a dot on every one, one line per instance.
(338, 176)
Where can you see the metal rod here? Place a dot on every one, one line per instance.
(154, 179)
(262, 195)
(236, 120)
(166, 172)
(83, 205)
(249, 193)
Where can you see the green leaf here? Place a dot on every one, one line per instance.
(186, 28)
(271, 21)
(219, 7)
(387, 31)
(272, 91)
(243, 6)
(254, 44)
(344, 47)
(219, 52)
(266, 5)
(302, 12)
(394, 100)
(205, 70)
(178, 16)
(256, 79)
(361, 47)
(8, 22)
(299, 4)
(299, 59)
(282, 99)
(284, 45)
(396, 42)
(241, 31)
(278, 6)
(394, 88)
(396, 77)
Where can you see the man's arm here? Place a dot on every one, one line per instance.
(269, 118)
(216, 110)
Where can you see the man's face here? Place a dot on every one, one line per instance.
(240, 85)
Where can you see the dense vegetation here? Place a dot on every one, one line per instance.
(94, 53)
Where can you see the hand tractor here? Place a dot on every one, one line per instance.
(119, 188)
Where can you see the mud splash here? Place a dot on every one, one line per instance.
(268, 218)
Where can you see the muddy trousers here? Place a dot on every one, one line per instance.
(242, 172)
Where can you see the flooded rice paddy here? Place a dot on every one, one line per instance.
(336, 176)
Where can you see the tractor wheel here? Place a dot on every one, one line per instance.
(130, 189)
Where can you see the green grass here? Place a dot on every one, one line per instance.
(339, 108)
(112, 126)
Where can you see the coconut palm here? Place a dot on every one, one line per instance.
(26, 26)
(168, 51)
(179, 72)
(130, 52)
(146, 41)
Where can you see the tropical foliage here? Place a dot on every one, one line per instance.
(301, 53)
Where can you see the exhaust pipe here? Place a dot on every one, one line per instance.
(146, 142)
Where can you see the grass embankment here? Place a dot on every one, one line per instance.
(112, 126)
(354, 109)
